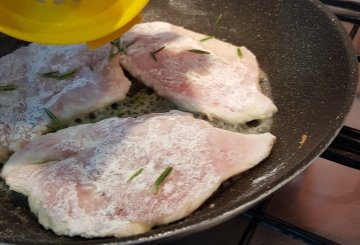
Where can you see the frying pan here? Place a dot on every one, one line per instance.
(312, 70)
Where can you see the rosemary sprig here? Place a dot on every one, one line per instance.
(135, 175)
(239, 53)
(55, 121)
(68, 74)
(8, 87)
(206, 38)
(161, 179)
(60, 76)
(126, 46)
(116, 44)
(198, 51)
(153, 54)
(120, 49)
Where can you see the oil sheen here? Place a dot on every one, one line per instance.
(142, 100)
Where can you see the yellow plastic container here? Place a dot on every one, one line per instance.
(73, 21)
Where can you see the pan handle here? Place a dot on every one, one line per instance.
(345, 149)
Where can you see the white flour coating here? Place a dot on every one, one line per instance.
(267, 175)
(77, 179)
(96, 83)
(219, 84)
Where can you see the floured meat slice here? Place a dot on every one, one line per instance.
(100, 179)
(211, 77)
(67, 80)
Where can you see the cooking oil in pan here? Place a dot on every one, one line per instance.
(142, 100)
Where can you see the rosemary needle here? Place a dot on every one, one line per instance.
(120, 49)
(55, 121)
(8, 87)
(60, 76)
(206, 38)
(135, 174)
(126, 46)
(198, 51)
(153, 54)
(239, 53)
(161, 179)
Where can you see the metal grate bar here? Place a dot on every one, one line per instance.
(354, 31)
(252, 224)
(287, 229)
(352, 5)
(345, 10)
(348, 18)
(345, 149)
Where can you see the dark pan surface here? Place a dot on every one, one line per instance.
(313, 73)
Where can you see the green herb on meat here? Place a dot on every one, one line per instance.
(135, 175)
(161, 179)
(153, 54)
(8, 87)
(239, 53)
(57, 124)
(206, 38)
(59, 75)
(124, 49)
(116, 44)
(198, 51)
(120, 49)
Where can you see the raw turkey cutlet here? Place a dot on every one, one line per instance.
(215, 78)
(121, 176)
(67, 80)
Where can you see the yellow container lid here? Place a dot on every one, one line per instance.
(69, 21)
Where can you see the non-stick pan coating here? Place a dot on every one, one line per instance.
(313, 72)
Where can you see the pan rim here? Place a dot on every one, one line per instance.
(325, 142)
